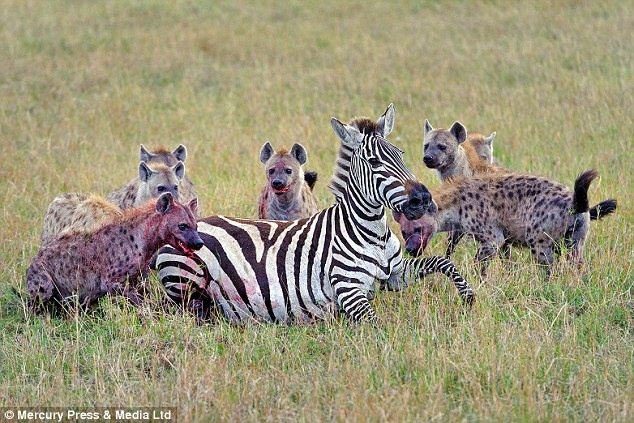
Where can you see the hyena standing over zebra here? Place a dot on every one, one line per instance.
(334, 260)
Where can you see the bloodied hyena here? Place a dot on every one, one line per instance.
(110, 259)
(509, 208)
(288, 193)
(153, 180)
(186, 190)
(77, 212)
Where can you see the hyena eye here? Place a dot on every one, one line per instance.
(175, 187)
(374, 161)
(442, 147)
(271, 171)
(425, 147)
(289, 171)
(183, 227)
(160, 188)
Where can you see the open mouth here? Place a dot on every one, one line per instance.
(425, 235)
(184, 248)
(281, 191)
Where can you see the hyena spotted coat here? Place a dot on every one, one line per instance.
(153, 180)
(77, 212)
(508, 208)
(186, 190)
(287, 194)
(110, 259)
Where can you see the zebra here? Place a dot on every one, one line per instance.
(304, 270)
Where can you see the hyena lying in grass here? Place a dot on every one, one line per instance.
(77, 212)
(509, 208)
(112, 258)
(288, 193)
(446, 151)
(153, 180)
(186, 190)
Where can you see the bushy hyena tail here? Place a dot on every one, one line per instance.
(603, 209)
(580, 201)
(310, 178)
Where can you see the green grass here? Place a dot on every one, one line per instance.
(82, 84)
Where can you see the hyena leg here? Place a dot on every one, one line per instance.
(488, 249)
(353, 301)
(505, 251)
(452, 241)
(40, 286)
(542, 250)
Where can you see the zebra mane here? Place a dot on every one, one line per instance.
(339, 181)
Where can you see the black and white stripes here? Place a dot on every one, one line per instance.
(303, 270)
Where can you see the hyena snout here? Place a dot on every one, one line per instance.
(430, 160)
(418, 202)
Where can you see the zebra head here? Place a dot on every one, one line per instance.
(371, 170)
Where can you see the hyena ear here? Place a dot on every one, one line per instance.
(144, 155)
(348, 134)
(179, 170)
(458, 131)
(428, 127)
(489, 140)
(193, 205)
(299, 152)
(266, 152)
(397, 215)
(180, 153)
(386, 122)
(145, 172)
(164, 203)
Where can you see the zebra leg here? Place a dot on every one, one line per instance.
(417, 268)
(354, 302)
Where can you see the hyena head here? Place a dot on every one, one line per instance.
(178, 225)
(482, 145)
(373, 169)
(162, 155)
(284, 172)
(441, 145)
(159, 179)
(417, 233)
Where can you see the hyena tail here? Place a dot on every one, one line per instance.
(603, 209)
(580, 201)
(310, 178)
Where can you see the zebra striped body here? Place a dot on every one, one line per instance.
(278, 271)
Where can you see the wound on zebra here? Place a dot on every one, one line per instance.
(302, 270)
(288, 192)
(509, 208)
(88, 265)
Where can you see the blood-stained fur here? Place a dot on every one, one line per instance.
(288, 193)
(109, 260)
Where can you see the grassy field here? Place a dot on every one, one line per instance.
(82, 84)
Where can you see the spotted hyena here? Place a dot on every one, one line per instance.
(482, 145)
(110, 260)
(77, 212)
(187, 192)
(499, 209)
(153, 180)
(287, 194)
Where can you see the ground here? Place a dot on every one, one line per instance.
(83, 84)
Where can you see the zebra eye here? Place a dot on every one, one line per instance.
(374, 161)
(442, 147)
(160, 188)
(183, 227)
(289, 171)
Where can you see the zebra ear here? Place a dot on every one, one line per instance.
(428, 127)
(144, 155)
(266, 152)
(386, 122)
(180, 153)
(145, 172)
(346, 133)
(164, 203)
(299, 152)
(459, 131)
(179, 170)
